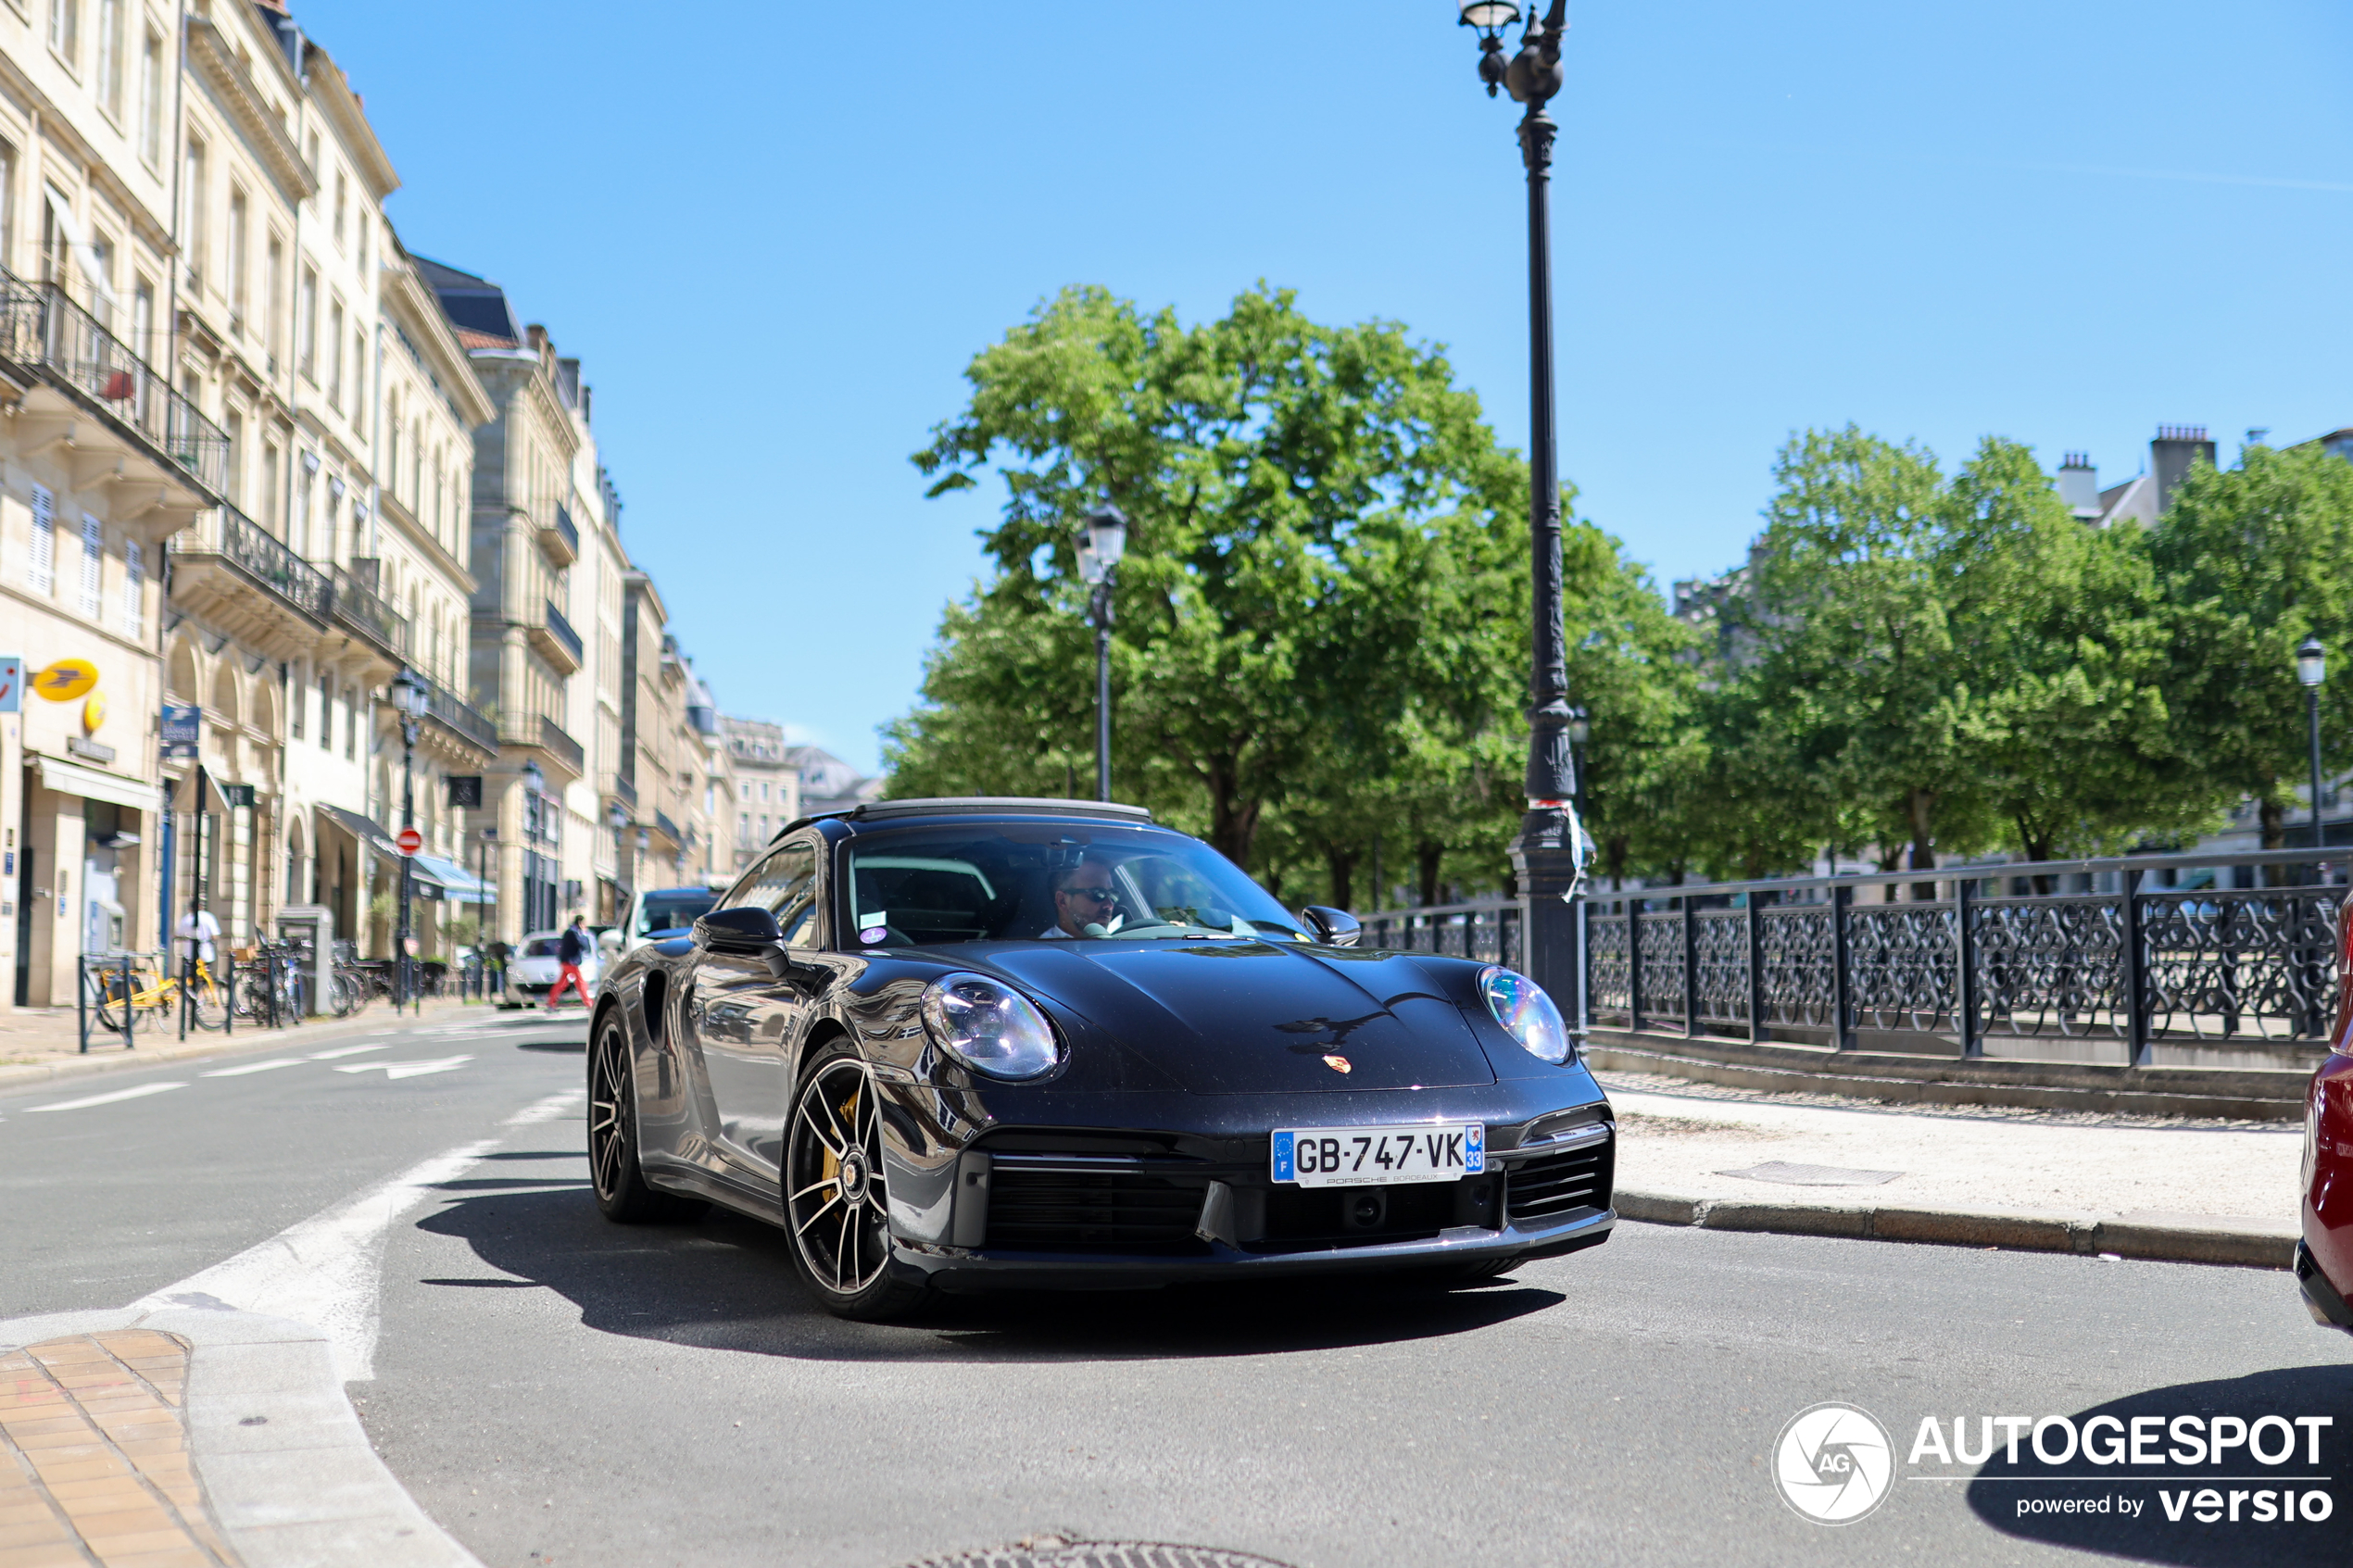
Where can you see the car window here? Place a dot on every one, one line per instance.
(674, 912)
(540, 947)
(785, 884)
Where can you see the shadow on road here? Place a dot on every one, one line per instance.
(728, 1283)
(2002, 1489)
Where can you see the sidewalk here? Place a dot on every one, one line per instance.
(2221, 1192)
(40, 1043)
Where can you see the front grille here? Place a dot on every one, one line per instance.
(1557, 1185)
(1067, 1209)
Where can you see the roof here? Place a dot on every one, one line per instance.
(985, 806)
(477, 307)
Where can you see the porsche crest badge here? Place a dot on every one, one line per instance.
(1337, 1063)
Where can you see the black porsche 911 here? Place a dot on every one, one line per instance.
(953, 1045)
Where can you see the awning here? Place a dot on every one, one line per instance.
(454, 882)
(363, 830)
(93, 784)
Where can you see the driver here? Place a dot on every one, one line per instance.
(1083, 897)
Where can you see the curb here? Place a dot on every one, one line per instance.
(301, 1488)
(252, 1037)
(2169, 1239)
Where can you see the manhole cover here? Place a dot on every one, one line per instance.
(1791, 1176)
(1049, 1552)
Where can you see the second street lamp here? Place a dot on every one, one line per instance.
(1099, 556)
(408, 695)
(1550, 851)
(2312, 669)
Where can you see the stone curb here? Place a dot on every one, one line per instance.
(301, 1488)
(2172, 1239)
(165, 1052)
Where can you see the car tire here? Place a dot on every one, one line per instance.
(622, 1193)
(835, 1196)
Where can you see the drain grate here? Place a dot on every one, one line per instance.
(1050, 1551)
(1787, 1174)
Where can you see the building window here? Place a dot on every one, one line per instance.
(65, 30)
(343, 197)
(392, 443)
(335, 355)
(135, 588)
(151, 100)
(7, 206)
(199, 230)
(307, 328)
(240, 262)
(143, 319)
(297, 704)
(232, 466)
(359, 383)
(41, 569)
(93, 550)
(301, 540)
(351, 723)
(273, 519)
(111, 56)
(326, 712)
(274, 331)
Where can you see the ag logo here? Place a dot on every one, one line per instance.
(1834, 1464)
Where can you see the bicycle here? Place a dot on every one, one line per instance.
(155, 1002)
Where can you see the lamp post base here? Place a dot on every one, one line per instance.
(1545, 856)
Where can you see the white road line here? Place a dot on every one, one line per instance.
(406, 1069)
(252, 1067)
(139, 1093)
(343, 1050)
(328, 1269)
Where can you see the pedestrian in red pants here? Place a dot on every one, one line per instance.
(570, 949)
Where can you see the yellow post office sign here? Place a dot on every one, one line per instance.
(93, 713)
(66, 680)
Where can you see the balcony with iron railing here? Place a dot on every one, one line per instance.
(452, 712)
(561, 538)
(624, 788)
(230, 570)
(47, 334)
(559, 745)
(364, 610)
(557, 641)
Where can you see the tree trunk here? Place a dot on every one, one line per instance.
(2274, 820)
(1921, 807)
(1426, 859)
(1341, 865)
(1233, 821)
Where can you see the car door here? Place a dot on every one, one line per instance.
(743, 1022)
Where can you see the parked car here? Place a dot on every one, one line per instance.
(954, 1045)
(534, 970)
(658, 912)
(2324, 1254)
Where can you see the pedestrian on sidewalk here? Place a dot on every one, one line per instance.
(571, 948)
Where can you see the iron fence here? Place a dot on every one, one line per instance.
(1487, 930)
(364, 610)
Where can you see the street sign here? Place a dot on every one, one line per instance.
(12, 683)
(409, 840)
(465, 791)
(182, 723)
(66, 680)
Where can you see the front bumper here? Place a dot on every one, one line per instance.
(973, 1269)
(2321, 1299)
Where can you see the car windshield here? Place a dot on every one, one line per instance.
(540, 947)
(1054, 880)
(673, 910)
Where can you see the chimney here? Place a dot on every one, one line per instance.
(2079, 488)
(2170, 455)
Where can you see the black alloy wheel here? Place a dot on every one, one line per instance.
(622, 1193)
(837, 1203)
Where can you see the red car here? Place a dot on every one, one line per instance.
(2324, 1258)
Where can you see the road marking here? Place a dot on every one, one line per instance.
(252, 1067)
(140, 1093)
(406, 1069)
(342, 1050)
(327, 1271)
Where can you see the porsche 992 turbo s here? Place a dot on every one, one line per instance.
(956, 1044)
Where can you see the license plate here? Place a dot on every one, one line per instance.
(1343, 1157)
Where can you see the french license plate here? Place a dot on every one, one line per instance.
(1343, 1157)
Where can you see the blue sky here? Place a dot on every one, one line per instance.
(776, 232)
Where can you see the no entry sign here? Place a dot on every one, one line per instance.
(409, 840)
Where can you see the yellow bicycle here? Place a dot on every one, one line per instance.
(154, 1000)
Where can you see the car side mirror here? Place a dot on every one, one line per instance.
(610, 941)
(1333, 928)
(749, 929)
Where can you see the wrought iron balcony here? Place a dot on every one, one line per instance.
(625, 789)
(663, 825)
(446, 709)
(560, 539)
(557, 641)
(364, 610)
(563, 629)
(246, 545)
(561, 745)
(43, 330)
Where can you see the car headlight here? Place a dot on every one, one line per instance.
(989, 1027)
(1526, 1014)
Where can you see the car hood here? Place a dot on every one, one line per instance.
(1258, 1017)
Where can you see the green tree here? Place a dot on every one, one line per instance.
(2249, 561)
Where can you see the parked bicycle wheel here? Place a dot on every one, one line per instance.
(109, 999)
(209, 1001)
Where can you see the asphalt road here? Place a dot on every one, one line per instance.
(561, 1391)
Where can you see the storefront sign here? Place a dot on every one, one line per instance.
(66, 679)
(181, 722)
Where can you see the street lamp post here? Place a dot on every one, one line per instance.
(1549, 852)
(408, 695)
(1099, 556)
(2312, 669)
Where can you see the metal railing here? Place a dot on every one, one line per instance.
(447, 709)
(561, 630)
(2087, 959)
(664, 825)
(1487, 930)
(567, 530)
(248, 546)
(41, 327)
(625, 789)
(365, 611)
(553, 740)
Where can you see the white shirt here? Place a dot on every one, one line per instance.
(196, 932)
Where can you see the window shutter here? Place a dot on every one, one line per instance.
(41, 572)
(135, 588)
(93, 550)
